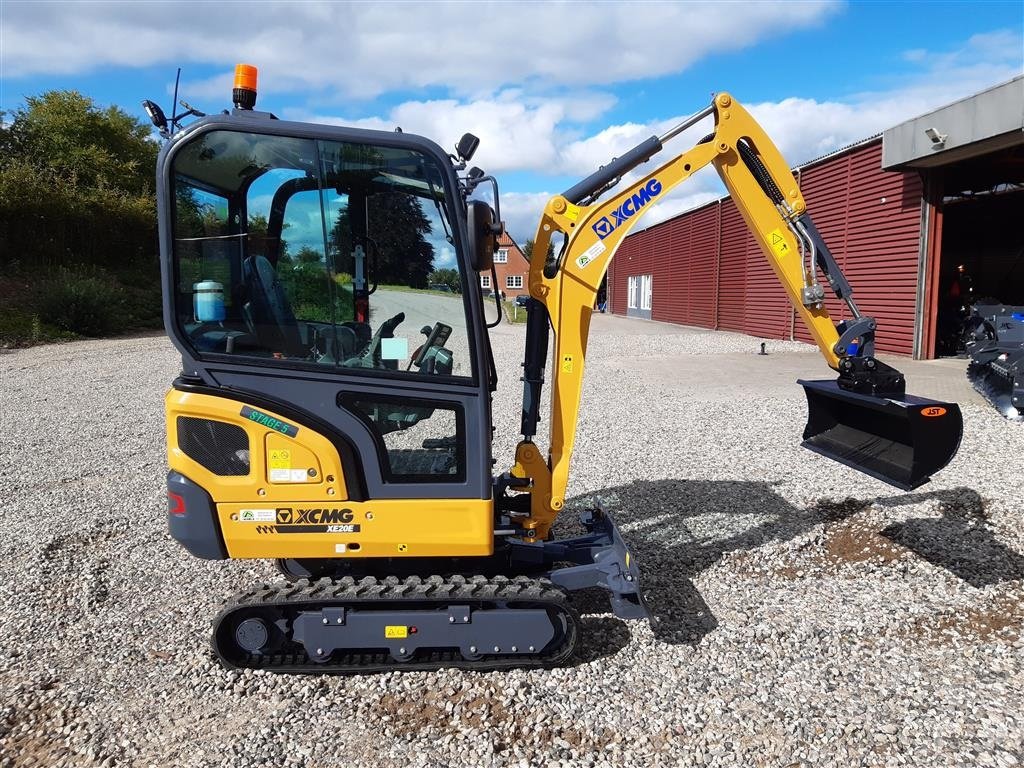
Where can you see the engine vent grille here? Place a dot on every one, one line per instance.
(221, 448)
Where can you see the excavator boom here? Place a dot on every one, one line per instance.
(863, 419)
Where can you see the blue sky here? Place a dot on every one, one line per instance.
(552, 89)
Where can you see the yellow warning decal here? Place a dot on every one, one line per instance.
(566, 363)
(572, 212)
(396, 632)
(778, 242)
(281, 459)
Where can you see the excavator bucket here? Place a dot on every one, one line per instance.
(901, 440)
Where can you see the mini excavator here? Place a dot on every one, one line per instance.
(333, 411)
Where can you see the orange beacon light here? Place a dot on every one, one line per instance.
(244, 92)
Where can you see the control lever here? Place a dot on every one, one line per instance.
(437, 337)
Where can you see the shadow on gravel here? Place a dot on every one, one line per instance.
(960, 541)
(600, 636)
(677, 528)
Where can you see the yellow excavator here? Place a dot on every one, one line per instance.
(333, 411)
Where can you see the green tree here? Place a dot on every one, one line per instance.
(528, 250)
(77, 217)
(76, 185)
(398, 228)
(66, 134)
(315, 294)
(448, 277)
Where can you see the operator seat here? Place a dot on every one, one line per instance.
(274, 322)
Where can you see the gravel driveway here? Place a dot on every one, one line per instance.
(809, 616)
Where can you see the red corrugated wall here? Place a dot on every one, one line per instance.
(732, 275)
(671, 282)
(702, 309)
(709, 272)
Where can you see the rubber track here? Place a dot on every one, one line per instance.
(430, 592)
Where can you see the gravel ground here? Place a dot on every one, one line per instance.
(808, 616)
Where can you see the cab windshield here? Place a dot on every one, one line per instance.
(326, 253)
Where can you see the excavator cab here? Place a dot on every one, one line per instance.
(302, 291)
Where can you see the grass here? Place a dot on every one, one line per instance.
(407, 289)
(513, 314)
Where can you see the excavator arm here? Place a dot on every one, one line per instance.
(862, 419)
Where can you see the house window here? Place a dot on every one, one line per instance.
(631, 292)
(502, 256)
(514, 281)
(485, 281)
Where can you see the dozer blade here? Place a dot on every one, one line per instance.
(901, 440)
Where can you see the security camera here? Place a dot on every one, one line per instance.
(938, 139)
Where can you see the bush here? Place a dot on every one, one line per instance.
(142, 308)
(90, 305)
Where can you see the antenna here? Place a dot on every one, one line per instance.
(174, 104)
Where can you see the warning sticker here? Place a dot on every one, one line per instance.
(257, 516)
(572, 212)
(591, 253)
(281, 458)
(393, 631)
(567, 364)
(778, 242)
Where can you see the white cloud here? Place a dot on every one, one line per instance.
(521, 211)
(444, 257)
(516, 131)
(365, 49)
(806, 128)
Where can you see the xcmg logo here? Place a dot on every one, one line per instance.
(630, 206)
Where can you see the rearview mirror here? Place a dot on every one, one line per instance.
(483, 240)
(466, 147)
